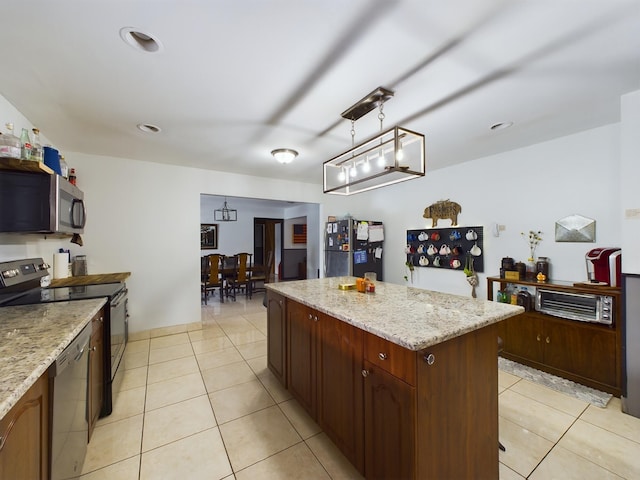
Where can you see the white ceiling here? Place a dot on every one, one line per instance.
(237, 79)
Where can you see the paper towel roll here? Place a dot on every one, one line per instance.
(60, 265)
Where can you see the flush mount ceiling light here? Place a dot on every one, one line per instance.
(225, 214)
(139, 40)
(392, 156)
(284, 155)
(148, 128)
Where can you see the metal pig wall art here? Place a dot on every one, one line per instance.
(443, 209)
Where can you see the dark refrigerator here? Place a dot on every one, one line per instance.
(353, 247)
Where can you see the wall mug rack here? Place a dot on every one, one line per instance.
(446, 248)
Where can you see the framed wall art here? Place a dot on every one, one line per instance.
(208, 236)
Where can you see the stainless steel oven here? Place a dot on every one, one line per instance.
(584, 307)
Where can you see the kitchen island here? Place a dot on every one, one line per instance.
(404, 381)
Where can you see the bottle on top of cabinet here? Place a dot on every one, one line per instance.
(9, 144)
(25, 144)
(72, 176)
(64, 168)
(36, 146)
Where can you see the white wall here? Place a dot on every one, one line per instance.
(525, 189)
(629, 180)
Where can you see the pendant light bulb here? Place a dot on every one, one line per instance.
(400, 154)
(353, 171)
(366, 167)
(381, 160)
(341, 175)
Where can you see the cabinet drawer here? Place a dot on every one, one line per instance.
(393, 358)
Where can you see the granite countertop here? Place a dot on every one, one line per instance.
(408, 316)
(32, 337)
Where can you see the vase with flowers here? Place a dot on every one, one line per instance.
(533, 238)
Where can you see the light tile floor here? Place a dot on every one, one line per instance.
(198, 402)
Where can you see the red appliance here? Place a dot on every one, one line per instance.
(604, 265)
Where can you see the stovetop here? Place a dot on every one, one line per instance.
(20, 285)
(63, 294)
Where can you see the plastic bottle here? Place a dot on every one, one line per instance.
(64, 168)
(25, 144)
(72, 176)
(36, 146)
(9, 143)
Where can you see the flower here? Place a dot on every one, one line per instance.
(533, 238)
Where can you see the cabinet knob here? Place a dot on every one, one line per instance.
(93, 349)
(430, 358)
(538, 337)
(382, 356)
(365, 373)
(548, 340)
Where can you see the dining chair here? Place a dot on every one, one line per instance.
(229, 275)
(243, 279)
(262, 275)
(210, 276)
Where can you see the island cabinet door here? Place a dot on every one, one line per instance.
(457, 405)
(389, 425)
(276, 336)
(340, 405)
(302, 324)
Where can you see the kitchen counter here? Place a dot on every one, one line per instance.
(408, 316)
(32, 337)
(90, 279)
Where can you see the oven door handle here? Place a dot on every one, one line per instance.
(115, 303)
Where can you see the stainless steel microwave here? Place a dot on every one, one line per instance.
(584, 307)
(40, 203)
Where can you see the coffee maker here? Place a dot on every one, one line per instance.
(604, 266)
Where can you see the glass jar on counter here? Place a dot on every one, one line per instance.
(542, 266)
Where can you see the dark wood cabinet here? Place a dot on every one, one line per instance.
(586, 353)
(389, 428)
(24, 435)
(301, 355)
(96, 370)
(276, 336)
(340, 381)
(394, 412)
(457, 414)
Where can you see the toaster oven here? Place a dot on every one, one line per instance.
(584, 307)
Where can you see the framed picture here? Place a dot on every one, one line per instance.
(208, 236)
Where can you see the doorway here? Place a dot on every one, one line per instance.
(267, 237)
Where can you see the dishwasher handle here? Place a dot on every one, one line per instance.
(73, 353)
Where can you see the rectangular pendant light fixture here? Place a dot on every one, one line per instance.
(392, 156)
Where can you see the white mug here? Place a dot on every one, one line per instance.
(436, 261)
(471, 235)
(423, 236)
(432, 250)
(424, 261)
(475, 250)
(445, 250)
(421, 248)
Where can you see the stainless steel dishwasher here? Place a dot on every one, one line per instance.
(69, 424)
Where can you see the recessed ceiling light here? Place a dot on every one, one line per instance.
(148, 128)
(501, 125)
(139, 40)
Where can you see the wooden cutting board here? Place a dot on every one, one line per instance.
(90, 279)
